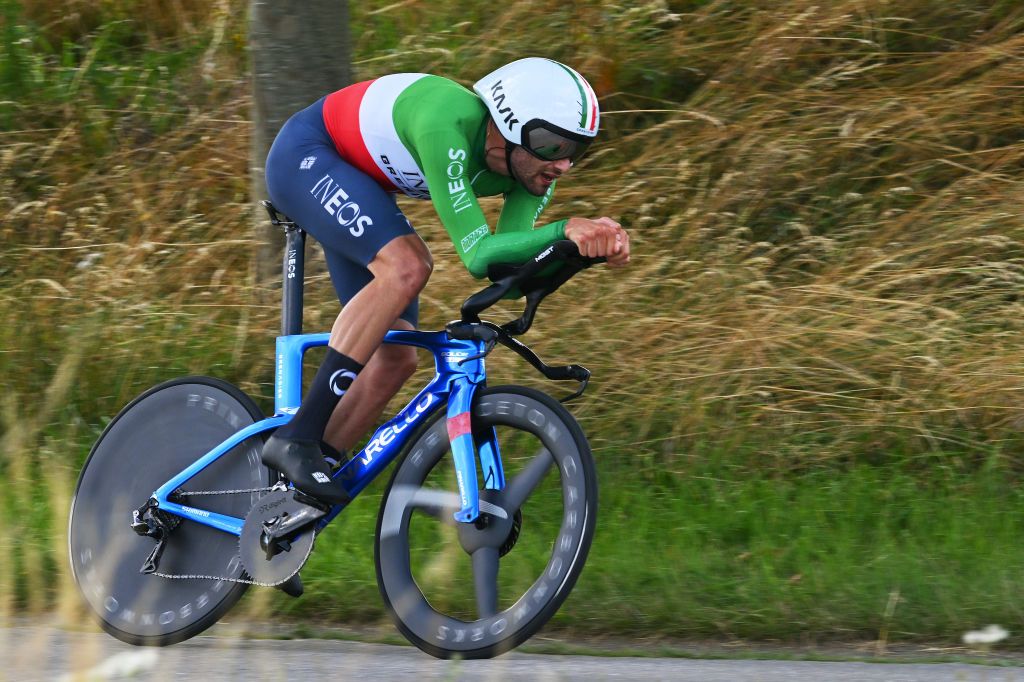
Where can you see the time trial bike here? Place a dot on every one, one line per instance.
(482, 530)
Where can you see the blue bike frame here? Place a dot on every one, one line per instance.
(460, 370)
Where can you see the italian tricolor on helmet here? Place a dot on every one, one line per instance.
(543, 105)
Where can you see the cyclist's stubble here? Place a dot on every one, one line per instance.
(534, 174)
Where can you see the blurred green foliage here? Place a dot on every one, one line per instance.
(812, 367)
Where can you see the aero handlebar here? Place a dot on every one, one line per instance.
(530, 279)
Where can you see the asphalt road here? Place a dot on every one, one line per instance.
(41, 652)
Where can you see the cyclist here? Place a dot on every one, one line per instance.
(335, 168)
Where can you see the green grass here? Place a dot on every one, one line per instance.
(818, 556)
(823, 556)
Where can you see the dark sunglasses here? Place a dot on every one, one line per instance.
(549, 143)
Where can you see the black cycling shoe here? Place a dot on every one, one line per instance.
(302, 463)
(335, 458)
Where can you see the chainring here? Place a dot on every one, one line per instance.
(289, 559)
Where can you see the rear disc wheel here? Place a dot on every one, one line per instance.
(155, 437)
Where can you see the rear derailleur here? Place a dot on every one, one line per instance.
(149, 521)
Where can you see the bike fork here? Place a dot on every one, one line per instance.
(465, 452)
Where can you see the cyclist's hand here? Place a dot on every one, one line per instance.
(599, 238)
(621, 256)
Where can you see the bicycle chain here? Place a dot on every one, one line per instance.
(223, 492)
(197, 576)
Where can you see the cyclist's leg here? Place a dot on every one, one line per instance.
(386, 372)
(353, 218)
(371, 307)
(371, 312)
(400, 270)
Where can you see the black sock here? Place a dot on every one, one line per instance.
(335, 375)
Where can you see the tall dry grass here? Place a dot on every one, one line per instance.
(823, 200)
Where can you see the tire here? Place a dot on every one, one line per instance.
(156, 436)
(440, 580)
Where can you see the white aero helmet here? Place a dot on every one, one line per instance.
(543, 105)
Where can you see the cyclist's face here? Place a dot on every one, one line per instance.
(536, 175)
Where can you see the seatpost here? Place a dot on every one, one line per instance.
(292, 273)
(292, 270)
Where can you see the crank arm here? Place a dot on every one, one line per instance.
(310, 512)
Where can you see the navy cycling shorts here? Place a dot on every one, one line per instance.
(343, 208)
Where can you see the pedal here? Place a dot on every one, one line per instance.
(277, 537)
(292, 520)
(272, 549)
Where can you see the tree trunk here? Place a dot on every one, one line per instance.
(300, 52)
